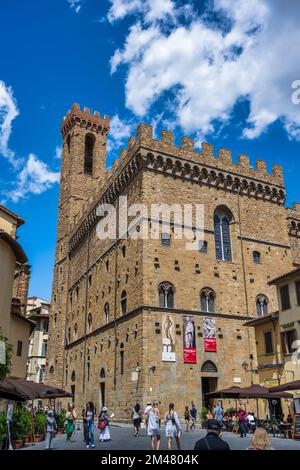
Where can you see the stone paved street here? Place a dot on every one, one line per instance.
(122, 438)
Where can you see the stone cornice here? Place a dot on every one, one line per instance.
(149, 309)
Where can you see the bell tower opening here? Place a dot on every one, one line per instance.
(89, 154)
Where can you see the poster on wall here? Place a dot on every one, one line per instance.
(189, 341)
(209, 334)
(168, 339)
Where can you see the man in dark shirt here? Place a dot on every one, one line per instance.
(212, 440)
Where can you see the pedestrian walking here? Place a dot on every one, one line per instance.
(137, 419)
(218, 413)
(50, 429)
(212, 440)
(89, 416)
(242, 422)
(70, 421)
(173, 428)
(103, 425)
(187, 418)
(260, 440)
(153, 428)
(193, 413)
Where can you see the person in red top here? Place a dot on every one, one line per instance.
(242, 422)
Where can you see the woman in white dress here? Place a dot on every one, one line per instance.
(154, 426)
(173, 428)
(103, 425)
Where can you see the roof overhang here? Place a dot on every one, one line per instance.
(15, 247)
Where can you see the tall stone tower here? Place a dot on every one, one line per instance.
(83, 169)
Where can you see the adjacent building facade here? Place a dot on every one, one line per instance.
(14, 282)
(38, 312)
(142, 318)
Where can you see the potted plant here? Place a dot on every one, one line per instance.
(26, 423)
(18, 429)
(39, 426)
(3, 430)
(60, 421)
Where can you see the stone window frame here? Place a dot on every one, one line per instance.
(207, 293)
(262, 303)
(164, 290)
(256, 257)
(223, 218)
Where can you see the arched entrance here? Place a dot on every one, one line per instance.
(209, 381)
(102, 388)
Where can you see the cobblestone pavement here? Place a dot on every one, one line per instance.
(122, 438)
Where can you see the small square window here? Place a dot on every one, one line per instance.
(256, 257)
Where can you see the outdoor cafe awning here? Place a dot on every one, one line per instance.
(253, 391)
(12, 388)
(288, 386)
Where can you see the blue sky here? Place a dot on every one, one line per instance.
(220, 71)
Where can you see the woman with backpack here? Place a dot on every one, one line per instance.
(173, 428)
(136, 416)
(103, 425)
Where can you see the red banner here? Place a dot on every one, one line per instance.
(210, 344)
(189, 341)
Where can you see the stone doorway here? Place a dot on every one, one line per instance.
(209, 384)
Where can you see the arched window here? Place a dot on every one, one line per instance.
(207, 300)
(124, 302)
(262, 306)
(102, 373)
(90, 323)
(69, 335)
(51, 370)
(88, 154)
(106, 313)
(73, 376)
(222, 220)
(166, 295)
(209, 366)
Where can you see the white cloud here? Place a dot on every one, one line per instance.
(8, 112)
(35, 178)
(32, 175)
(119, 132)
(152, 10)
(58, 151)
(211, 67)
(75, 5)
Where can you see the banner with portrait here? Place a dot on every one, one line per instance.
(209, 334)
(168, 339)
(189, 340)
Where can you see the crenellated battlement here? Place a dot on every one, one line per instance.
(85, 118)
(223, 159)
(202, 166)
